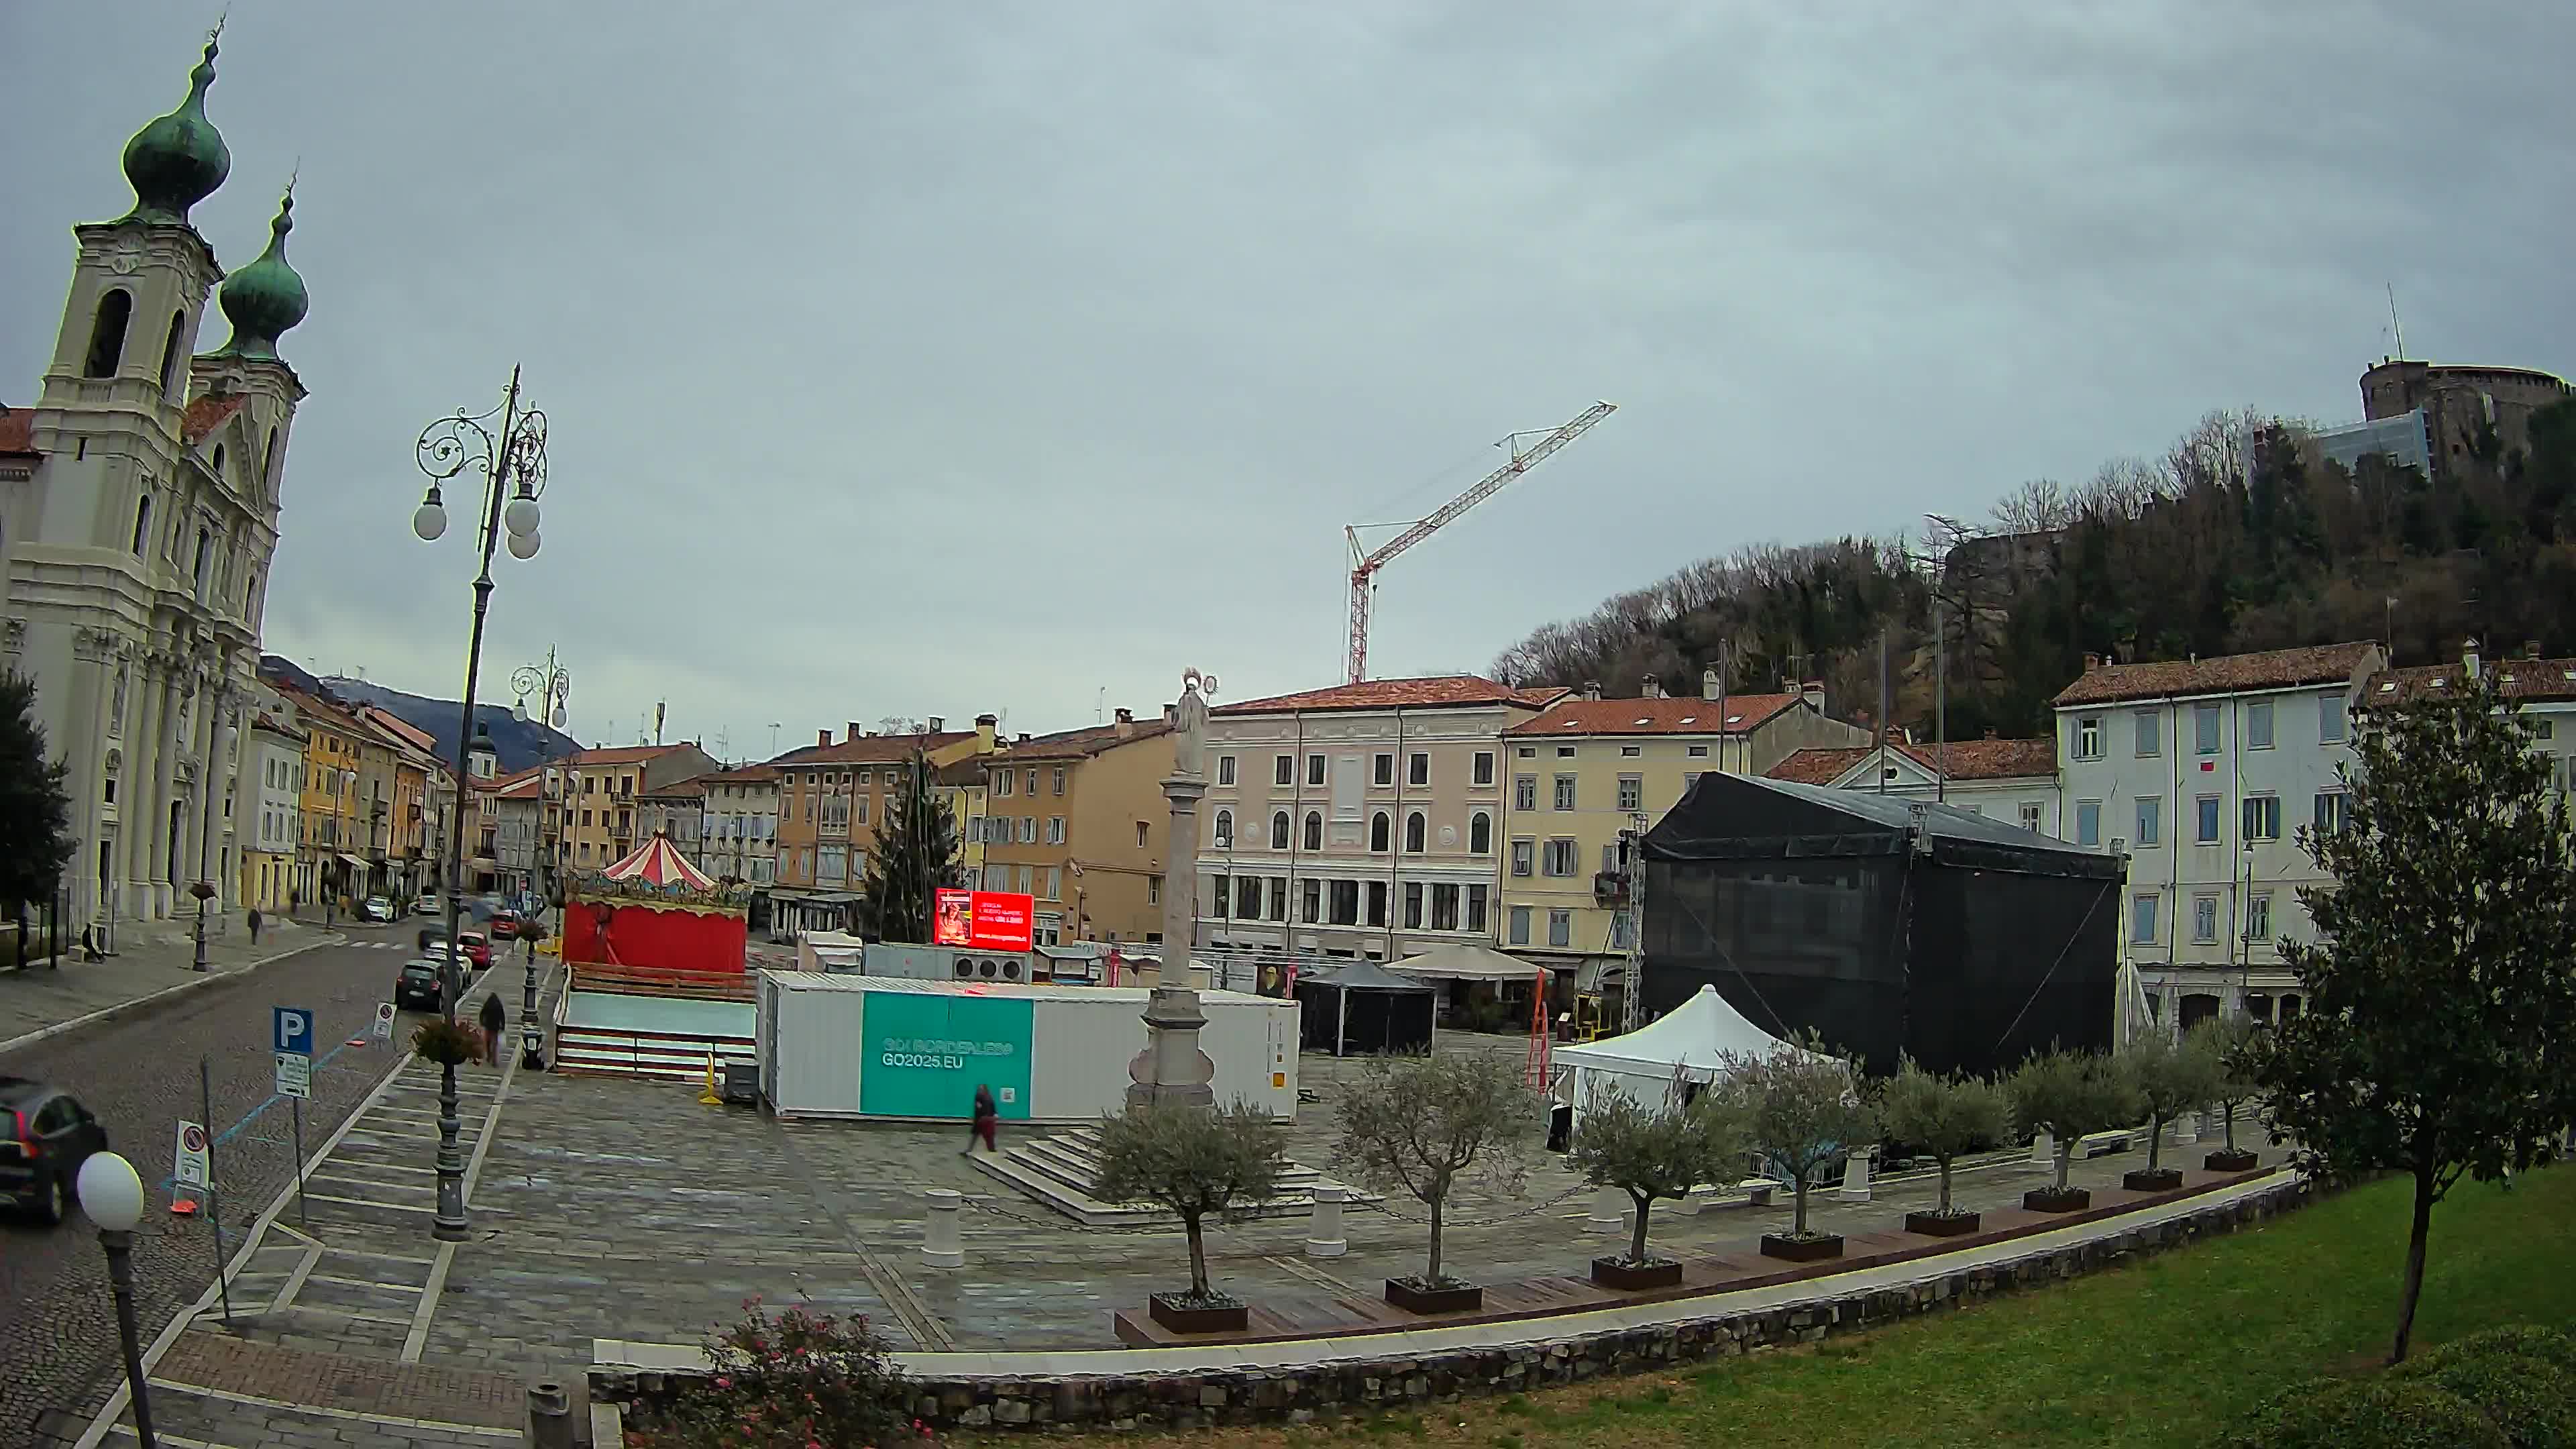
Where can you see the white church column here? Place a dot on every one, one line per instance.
(138, 804)
(170, 744)
(85, 752)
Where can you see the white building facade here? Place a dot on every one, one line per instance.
(137, 522)
(742, 825)
(2202, 772)
(271, 811)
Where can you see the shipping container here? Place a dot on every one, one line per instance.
(905, 1050)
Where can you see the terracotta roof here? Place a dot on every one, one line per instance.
(523, 787)
(622, 754)
(968, 771)
(270, 723)
(400, 728)
(742, 775)
(208, 413)
(1435, 692)
(871, 749)
(330, 714)
(2526, 679)
(2226, 674)
(1968, 760)
(1083, 743)
(17, 431)
(1744, 712)
(696, 786)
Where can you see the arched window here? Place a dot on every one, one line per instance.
(268, 465)
(170, 352)
(107, 333)
(1278, 830)
(142, 524)
(1480, 834)
(1314, 830)
(1379, 832)
(205, 555)
(219, 460)
(1413, 829)
(1225, 829)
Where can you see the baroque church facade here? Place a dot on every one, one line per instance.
(138, 518)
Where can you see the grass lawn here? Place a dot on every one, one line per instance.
(2161, 1352)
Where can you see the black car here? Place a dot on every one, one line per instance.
(45, 1136)
(417, 987)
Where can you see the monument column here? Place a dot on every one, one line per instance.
(1172, 1070)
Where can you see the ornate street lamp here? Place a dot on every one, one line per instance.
(552, 685)
(112, 1196)
(513, 465)
(204, 892)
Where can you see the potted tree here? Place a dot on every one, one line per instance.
(1803, 1113)
(1651, 1154)
(2070, 1094)
(1943, 1117)
(1194, 1161)
(2234, 1046)
(2172, 1077)
(1425, 1126)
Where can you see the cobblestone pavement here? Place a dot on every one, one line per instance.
(36, 999)
(57, 1334)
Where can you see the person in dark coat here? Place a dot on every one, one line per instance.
(254, 925)
(495, 1021)
(988, 1117)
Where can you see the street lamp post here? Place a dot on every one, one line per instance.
(552, 685)
(204, 892)
(113, 1197)
(514, 459)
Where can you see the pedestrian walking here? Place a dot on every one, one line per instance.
(988, 1117)
(495, 1021)
(254, 925)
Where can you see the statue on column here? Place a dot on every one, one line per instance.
(1189, 721)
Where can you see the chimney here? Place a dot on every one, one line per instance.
(2092, 662)
(987, 726)
(2469, 657)
(2530, 648)
(1653, 688)
(1024, 737)
(1990, 732)
(823, 737)
(1813, 692)
(938, 724)
(1126, 723)
(855, 731)
(1592, 689)
(1171, 714)
(1709, 688)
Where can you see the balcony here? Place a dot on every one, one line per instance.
(1610, 888)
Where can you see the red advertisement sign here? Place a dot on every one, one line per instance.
(984, 920)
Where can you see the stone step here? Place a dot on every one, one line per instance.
(1060, 1174)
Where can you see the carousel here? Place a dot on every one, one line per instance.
(655, 951)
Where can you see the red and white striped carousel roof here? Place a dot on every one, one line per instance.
(657, 862)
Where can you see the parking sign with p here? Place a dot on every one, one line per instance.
(292, 1030)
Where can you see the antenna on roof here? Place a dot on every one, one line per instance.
(2393, 324)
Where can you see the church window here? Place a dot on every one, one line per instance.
(142, 524)
(107, 333)
(268, 463)
(205, 554)
(170, 352)
(219, 461)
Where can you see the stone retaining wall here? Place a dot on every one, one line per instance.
(1368, 1384)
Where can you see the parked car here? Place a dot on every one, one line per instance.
(429, 905)
(505, 925)
(477, 949)
(45, 1136)
(416, 988)
(379, 909)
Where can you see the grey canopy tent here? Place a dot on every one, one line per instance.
(1362, 1009)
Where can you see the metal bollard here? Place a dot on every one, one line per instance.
(1855, 1186)
(940, 1245)
(1324, 1237)
(1609, 1212)
(549, 1416)
(2043, 1151)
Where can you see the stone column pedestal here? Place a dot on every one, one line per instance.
(940, 1245)
(1324, 1237)
(1609, 1212)
(1172, 1070)
(2043, 1151)
(1855, 1186)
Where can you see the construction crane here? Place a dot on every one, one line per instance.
(1366, 563)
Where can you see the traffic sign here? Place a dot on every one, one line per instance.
(291, 1030)
(294, 1075)
(383, 1030)
(190, 1167)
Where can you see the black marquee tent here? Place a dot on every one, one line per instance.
(1885, 924)
(1362, 1009)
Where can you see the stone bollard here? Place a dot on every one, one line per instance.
(2185, 1130)
(1855, 1186)
(1609, 1212)
(1324, 1237)
(549, 1416)
(2043, 1151)
(940, 1247)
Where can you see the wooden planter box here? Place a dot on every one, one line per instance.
(2152, 1179)
(1802, 1250)
(1462, 1298)
(1636, 1277)
(1197, 1318)
(2223, 1160)
(2051, 1200)
(1939, 1225)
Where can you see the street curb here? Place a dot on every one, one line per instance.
(107, 1013)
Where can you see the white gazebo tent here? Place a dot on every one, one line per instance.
(1465, 961)
(1684, 1045)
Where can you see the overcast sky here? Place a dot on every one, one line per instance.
(929, 359)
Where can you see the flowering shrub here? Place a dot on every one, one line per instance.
(445, 1042)
(803, 1380)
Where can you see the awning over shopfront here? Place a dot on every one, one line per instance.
(355, 862)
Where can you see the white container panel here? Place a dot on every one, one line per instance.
(1252, 1040)
(1079, 1055)
(818, 1039)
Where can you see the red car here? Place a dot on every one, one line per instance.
(505, 925)
(476, 948)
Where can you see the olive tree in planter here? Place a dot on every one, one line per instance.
(2233, 1045)
(1651, 1154)
(1944, 1117)
(1195, 1161)
(2071, 1094)
(1427, 1126)
(1803, 1113)
(2172, 1077)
